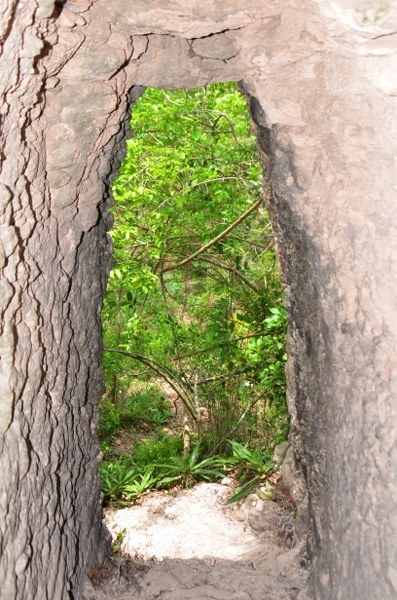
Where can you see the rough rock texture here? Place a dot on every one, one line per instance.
(322, 87)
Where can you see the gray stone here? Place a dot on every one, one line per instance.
(264, 515)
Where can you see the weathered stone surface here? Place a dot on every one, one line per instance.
(322, 86)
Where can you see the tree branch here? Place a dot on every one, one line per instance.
(216, 239)
(193, 185)
(233, 270)
(220, 345)
(227, 375)
(165, 374)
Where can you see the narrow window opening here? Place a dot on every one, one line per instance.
(194, 322)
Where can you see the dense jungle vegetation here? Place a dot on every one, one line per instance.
(193, 323)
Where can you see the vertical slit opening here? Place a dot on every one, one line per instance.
(194, 320)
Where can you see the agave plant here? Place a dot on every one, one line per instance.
(141, 484)
(188, 468)
(253, 467)
(116, 476)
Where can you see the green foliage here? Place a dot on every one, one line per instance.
(109, 420)
(118, 542)
(253, 467)
(146, 405)
(267, 355)
(123, 482)
(157, 450)
(116, 475)
(205, 306)
(250, 460)
(126, 479)
(189, 468)
(142, 483)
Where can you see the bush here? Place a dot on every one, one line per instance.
(157, 450)
(109, 419)
(144, 406)
(115, 476)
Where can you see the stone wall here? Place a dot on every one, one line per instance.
(320, 78)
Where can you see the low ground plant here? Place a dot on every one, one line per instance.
(189, 468)
(143, 482)
(116, 475)
(158, 449)
(126, 479)
(146, 406)
(252, 468)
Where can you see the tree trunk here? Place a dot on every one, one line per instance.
(53, 276)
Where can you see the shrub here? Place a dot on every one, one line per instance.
(145, 406)
(157, 450)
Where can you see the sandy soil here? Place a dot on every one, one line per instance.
(193, 546)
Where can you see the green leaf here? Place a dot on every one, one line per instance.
(244, 490)
(191, 169)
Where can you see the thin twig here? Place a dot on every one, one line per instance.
(233, 270)
(227, 375)
(165, 373)
(230, 433)
(238, 339)
(216, 239)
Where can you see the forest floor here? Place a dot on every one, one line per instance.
(192, 545)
